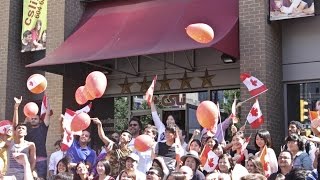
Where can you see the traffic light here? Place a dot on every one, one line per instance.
(303, 110)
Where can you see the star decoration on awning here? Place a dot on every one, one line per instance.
(164, 83)
(125, 86)
(144, 85)
(206, 79)
(185, 81)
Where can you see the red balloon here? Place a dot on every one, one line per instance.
(79, 96)
(80, 122)
(200, 32)
(143, 142)
(31, 109)
(96, 83)
(86, 94)
(207, 114)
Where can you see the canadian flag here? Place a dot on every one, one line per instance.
(254, 85)
(265, 161)
(85, 109)
(204, 154)
(44, 106)
(244, 146)
(66, 125)
(255, 117)
(149, 93)
(234, 111)
(212, 162)
(313, 115)
(6, 127)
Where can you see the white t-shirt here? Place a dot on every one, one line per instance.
(159, 125)
(54, 159)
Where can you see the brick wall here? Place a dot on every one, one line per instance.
(260, 55)
(4, 30)
(62, 18)
(17, 74)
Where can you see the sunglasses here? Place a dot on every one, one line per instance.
(152, 173)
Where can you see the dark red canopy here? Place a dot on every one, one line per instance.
(118, 29)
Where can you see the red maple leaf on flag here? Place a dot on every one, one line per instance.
(211, 162)
(253, 82)
(266, 166)
(254, 111)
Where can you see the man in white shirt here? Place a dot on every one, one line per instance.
(55, 158)
(145, 158)
(131, 164)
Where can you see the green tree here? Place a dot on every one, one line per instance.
(121, 113)
(228, 99)
(229, 96)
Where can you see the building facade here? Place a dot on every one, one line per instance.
(265, 52)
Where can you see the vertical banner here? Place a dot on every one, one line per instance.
(288, 9)
(34, 25)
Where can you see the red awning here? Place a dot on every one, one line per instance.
(115, 29)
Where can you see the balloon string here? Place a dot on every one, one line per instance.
(220, 122)
(245, 123)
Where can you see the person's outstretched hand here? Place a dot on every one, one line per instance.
(96, 121)
(17, 102)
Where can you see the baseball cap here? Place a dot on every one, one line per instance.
(133, 156)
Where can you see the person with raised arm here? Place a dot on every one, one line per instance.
(79, 151)
(159, 124)
(117, 153)
(37, 133)
(20, 145)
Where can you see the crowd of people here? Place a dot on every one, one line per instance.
(205, 156)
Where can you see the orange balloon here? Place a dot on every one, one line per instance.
(207, 114)
(80, 122)
(79, 96)
(96, 83)
(86, 94)
(200, 32)
(31, 109)
(143, 142)
(37, 83)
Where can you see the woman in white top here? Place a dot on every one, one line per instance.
(159, 124)
(262, 139)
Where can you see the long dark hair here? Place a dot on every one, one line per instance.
(106, 166)
(265, 135)
(297, 138)
(65, 161)
(76, 175)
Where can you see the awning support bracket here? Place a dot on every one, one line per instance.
(110, 69)
(132, 65)
(173, 64)
(190, 64)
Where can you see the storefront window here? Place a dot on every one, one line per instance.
(183, 107)
(300, 98)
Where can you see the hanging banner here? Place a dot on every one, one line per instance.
(34, 25)
(287, 9)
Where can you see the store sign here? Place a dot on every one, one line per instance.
(34, 25)
(288, 9)
(170, 100)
